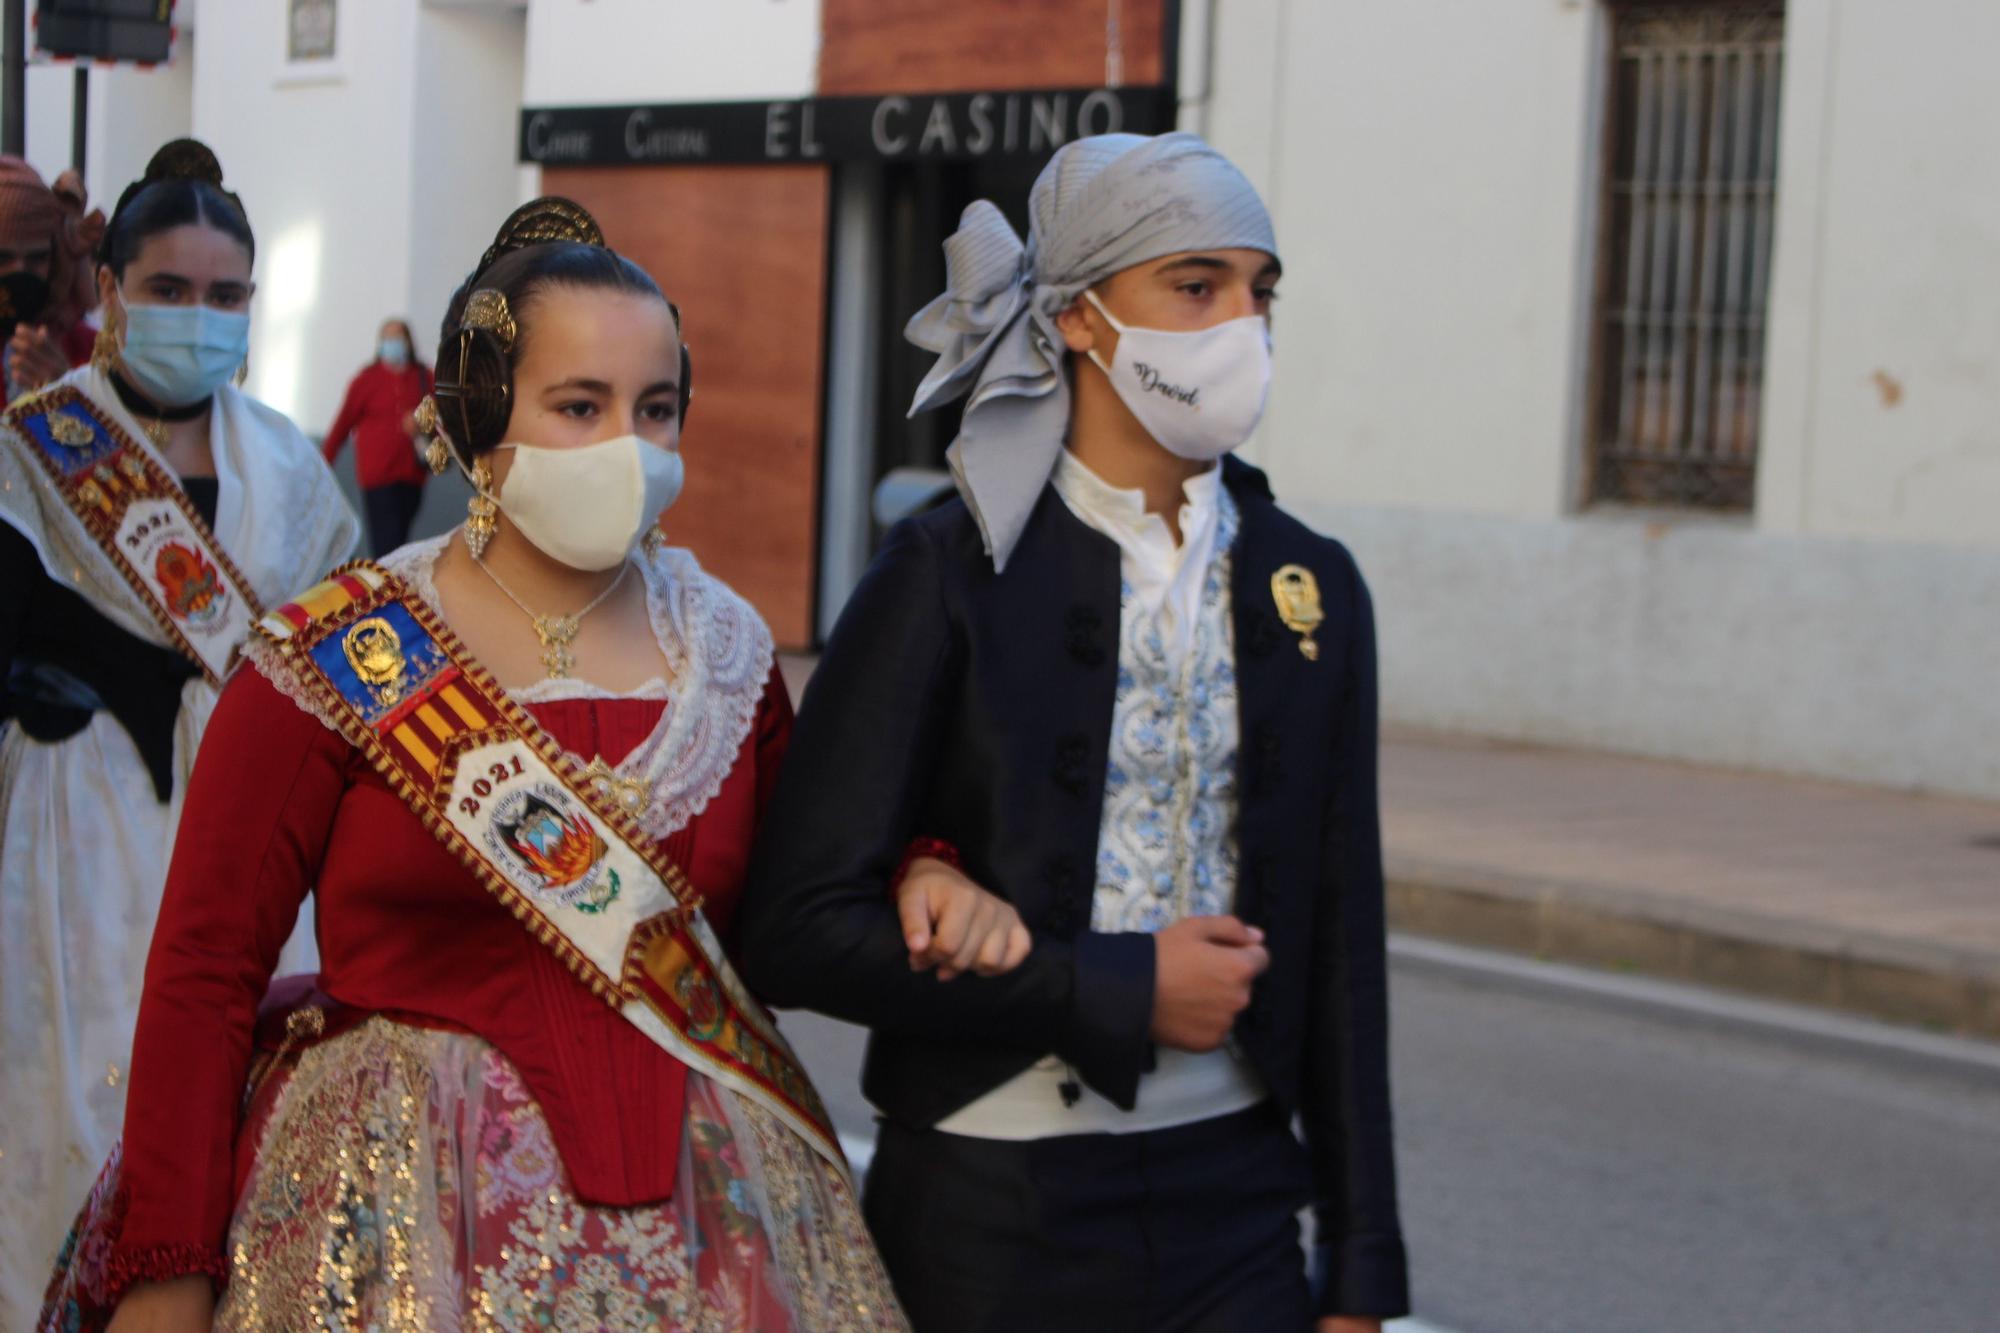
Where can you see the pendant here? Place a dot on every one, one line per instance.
(556, 634)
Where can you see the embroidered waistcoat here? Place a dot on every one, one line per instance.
(1167, 848)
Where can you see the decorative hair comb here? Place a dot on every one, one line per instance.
(542, 221)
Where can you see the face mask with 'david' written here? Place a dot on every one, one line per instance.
(1199, 394)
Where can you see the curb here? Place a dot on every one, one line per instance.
(1910, 982)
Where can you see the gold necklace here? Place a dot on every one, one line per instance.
(556, 632)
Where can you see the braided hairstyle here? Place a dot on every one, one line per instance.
(182, 186)
(551, 242)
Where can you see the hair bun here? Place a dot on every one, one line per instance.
(543, 221)
(184, 160)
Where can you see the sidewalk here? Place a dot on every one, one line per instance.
(1873, 902)
(1812, 892)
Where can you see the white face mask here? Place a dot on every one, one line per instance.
(588, 507)
(1199, 394)
(179, 354)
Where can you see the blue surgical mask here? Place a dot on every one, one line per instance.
(394, 351)
(180, 354)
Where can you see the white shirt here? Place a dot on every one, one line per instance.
(1165, 579)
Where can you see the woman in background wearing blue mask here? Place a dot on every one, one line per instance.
(379, 411)
(149, 512)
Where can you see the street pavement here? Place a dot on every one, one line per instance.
(1571, 1162)
(1878, 902)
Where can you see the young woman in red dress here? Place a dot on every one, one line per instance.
(463, 1134)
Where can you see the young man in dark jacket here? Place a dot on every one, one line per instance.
(1134, 702)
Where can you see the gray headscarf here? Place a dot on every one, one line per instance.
(1101, 205)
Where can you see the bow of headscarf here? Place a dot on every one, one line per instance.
(994, 331)
(976, 325)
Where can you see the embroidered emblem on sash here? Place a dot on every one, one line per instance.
(70, 431)
(194, 590)
(137, 513)
(553, 845)
(542, 830)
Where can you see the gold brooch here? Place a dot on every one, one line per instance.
(1297, 593)
(628, 794)
(375, 651)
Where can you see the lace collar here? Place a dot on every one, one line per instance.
(721, 654)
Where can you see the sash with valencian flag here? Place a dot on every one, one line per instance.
(497, 791)
(136, 511)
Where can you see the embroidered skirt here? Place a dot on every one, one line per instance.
(404, 1178)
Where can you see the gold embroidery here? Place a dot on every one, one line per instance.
(68, 430)
(405, 1179)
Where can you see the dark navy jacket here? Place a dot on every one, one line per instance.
(957, 703)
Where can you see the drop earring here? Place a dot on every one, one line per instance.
(481, 513)
(104, 352)
(437, 454)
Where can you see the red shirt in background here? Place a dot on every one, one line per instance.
(375, 412)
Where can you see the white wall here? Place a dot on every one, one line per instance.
(1884, 385)
(606, 52)
(323, 170)
(1858, 660)
(133, 112)
(1431, 165)
(463, 177)
(1424, 163)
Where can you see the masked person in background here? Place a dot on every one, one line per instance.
(519, 765)
(48, 282)
(148, 513)
(1124, 691)
(380, 413)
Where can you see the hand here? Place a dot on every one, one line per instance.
(1202, 978)
(1347, 1323)
(182, 1305)
(952, 924)
(34, 359)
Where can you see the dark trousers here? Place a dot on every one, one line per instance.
(390, 510)
(1186, 1230)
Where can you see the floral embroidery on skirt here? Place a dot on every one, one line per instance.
(406, 1179)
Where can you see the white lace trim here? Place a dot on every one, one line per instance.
(720, 651)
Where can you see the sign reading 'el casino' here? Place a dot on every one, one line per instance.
(896, 127)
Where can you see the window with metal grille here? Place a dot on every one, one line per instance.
(1691, 175)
